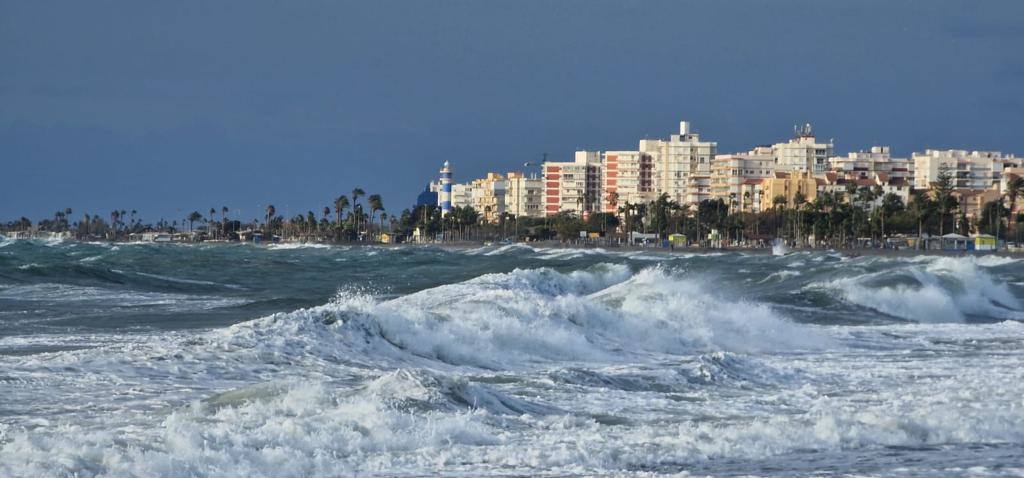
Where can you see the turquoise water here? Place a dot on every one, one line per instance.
(213, 360)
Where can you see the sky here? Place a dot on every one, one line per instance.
(170, 107)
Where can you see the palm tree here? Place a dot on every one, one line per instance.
(779, 203)
(798, 201)
(114, 215)
(356, 192)
(340, 205)
(943, 188)
(376, 204)
(1014, 189)
(271, 212)
(193, 217)
(625, 210)
(921, 207)
(613, 200)
(209, 224)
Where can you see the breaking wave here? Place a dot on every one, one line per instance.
(942, 289)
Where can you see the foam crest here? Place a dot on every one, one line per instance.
(942, 289)
(531, 317)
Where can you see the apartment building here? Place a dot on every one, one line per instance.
(573, 186)
(803, 153)
(488, 195)
(971, 169)
(461, 195)
(626, 176)
(524, 197)
(787, 185)
(681, 165)
(863, 164)
(740, 177)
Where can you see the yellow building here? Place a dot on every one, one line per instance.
(489, 197)
(788, 185)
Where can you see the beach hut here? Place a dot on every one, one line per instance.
(677, 240)
(984, 242)
(956, 242)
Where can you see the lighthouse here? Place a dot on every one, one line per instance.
(444, 196)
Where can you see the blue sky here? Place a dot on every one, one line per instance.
(169, 107)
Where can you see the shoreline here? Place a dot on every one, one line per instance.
(464, 245)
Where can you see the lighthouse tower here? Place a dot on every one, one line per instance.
(444, 196)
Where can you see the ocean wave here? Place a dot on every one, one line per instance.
(528, 317)
(941, 289)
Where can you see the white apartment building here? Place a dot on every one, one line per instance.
(489, 197)
(626, 176)
(681, 165)
(863, 164)
(462, 195)
(972, 170)
(573, 187)
(524, 197)
(803, 153)
(738, 177)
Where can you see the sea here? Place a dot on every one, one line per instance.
(125, 360)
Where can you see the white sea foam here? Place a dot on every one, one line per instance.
(943, 289)
(288, 246)
(606, 371)
(996, 261)
(780, 276)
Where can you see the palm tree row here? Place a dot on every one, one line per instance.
(357, 225)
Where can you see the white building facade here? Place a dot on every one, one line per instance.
(803, 153)
(524, 197)
(971, 169)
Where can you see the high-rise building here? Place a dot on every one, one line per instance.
(574, 186)
(681, 165)
(803, 153)
(626, 177)
(524, 197)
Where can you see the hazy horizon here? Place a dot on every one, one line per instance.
(169, 108)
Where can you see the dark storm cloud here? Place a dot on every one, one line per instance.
(170, 106)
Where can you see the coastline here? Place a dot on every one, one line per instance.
(553, 244)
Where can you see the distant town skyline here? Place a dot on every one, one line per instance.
(170, 108)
